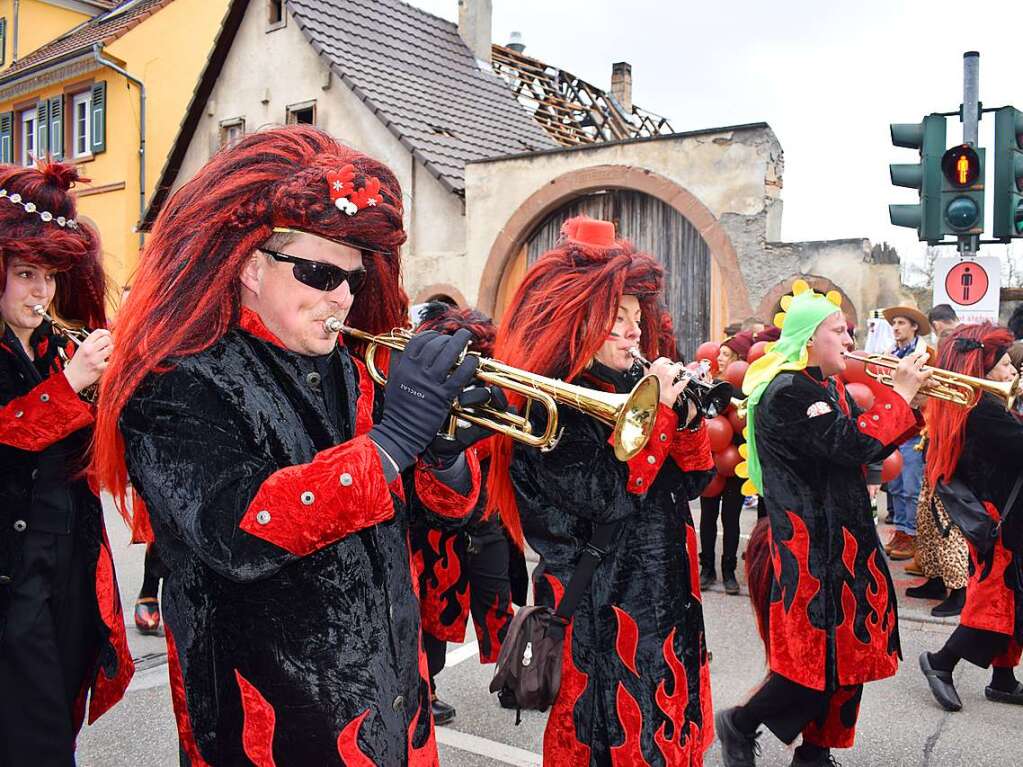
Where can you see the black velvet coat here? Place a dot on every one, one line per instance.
(293, 624)
(833, 615)
(991, 461)
(45, 428)
(635, 684)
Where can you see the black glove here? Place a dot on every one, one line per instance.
(443, 450)
(421, 387)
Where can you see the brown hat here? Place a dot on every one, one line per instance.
(912, 314)
(740, 343)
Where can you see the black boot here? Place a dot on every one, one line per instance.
(443, 713)
(728, 579)
(932, 588)
(808, 755)
(707, 576)
(738, 749)
(942, 687)
(952, 606)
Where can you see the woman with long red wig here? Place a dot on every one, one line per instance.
(638, 630)
(982, 448)
(247, 430)
(56, 573)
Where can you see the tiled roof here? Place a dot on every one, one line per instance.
(105, 28)
(415, 72)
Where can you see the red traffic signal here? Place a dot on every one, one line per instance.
(961, 166)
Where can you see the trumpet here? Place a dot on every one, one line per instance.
(711, 399)
(76, 336)
(943, 384)
(631, 415)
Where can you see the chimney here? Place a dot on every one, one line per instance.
(474, 26)
(515, 42)
(621, 84)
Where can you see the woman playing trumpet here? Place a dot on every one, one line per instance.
(54, 585)
(639, 627)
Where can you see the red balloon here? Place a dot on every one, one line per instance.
(855, 372)
(758, 350)
(862, 394)
(892, 467)
(709, 351)
(726, 461)
(719, 432)
(735, 372)
(738, 424)
(715, 487)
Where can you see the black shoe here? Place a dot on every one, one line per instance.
(824, 760)
(737, 748)
(731, 585)
(443, 713)
(1001, 696)
(707, 576)
(932, 588)
(940, 682)
(952, 606)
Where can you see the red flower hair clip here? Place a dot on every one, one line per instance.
(346, 197)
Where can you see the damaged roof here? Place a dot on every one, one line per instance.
(413, 70)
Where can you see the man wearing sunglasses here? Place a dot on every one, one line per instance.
(270, 479)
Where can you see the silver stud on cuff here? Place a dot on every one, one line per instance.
(346, 479)
(664, 438)
(263, 517)
(876, 417)
(307, 498)
(651, 460)
(19, 414)
(44, 397)
(20, 526)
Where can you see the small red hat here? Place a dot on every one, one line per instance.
(740, 343)
(590, 231)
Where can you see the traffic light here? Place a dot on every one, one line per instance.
(1008, 195)
(962, 190)
(925, 176)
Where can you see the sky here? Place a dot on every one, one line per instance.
(827, 76)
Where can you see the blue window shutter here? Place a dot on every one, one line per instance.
(42, 129)
(7, 137)
(57, 127)
(99, 117)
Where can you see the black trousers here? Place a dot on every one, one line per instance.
(488, 578)
(977, 646)
(787, 708)
(730, 505)
(155, 571)
(48, 649)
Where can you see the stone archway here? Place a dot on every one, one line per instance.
(437, 290)
(770, 304)
(510, 240)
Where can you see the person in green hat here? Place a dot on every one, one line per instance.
(831, 622)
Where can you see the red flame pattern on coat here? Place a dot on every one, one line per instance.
(630, 752)
(677, 749)
(492, 636)
(561, 744)
(439, 587)
(348, 744)
(794, 639)
(628, 638)
(692, 554)
(864, 661)
(833, 732)
(849, 549)
(258, 724)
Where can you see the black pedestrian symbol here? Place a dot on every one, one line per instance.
(965, 281)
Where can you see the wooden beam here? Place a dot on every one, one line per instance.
(1011, 294)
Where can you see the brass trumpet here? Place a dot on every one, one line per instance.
(943, 384)
(76, 336)
(631, 415)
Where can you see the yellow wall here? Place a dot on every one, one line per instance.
(38, 23)
(168, 52)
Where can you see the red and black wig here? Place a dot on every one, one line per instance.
(72, 252)
(186, 293)
(447, 319)
(559, 318)
(972, 350)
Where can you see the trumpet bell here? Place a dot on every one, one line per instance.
(635, 422)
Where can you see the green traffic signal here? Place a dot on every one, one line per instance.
(925, 176)
(962, 213)
(1008, 195)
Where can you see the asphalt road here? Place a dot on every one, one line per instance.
(900, 724)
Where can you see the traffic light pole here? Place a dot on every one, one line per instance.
(970, 113)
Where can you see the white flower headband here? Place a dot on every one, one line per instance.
(45, 215)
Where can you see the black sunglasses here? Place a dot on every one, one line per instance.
(320, 275)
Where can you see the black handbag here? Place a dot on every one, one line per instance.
(969, 514)
(529, 663)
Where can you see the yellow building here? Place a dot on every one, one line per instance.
(105, 85)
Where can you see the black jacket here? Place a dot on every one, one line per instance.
(635, 672)
(290, 594)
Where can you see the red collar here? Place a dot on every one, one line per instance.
(252, 324)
